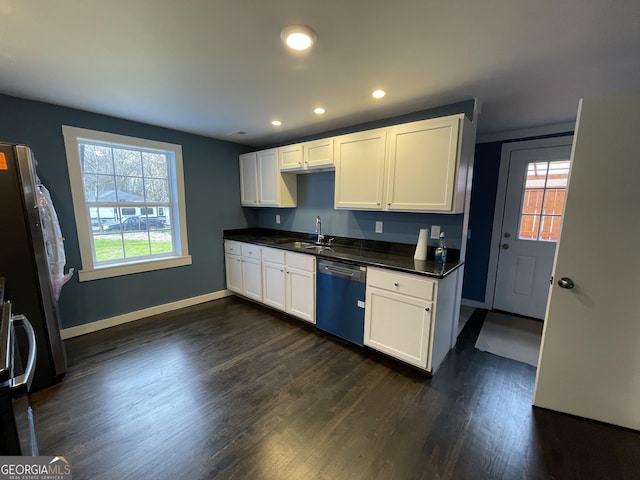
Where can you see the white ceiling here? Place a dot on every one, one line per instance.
(214, 67)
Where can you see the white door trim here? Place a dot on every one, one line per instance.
(501, 192)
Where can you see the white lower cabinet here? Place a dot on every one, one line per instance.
(273, 278)
(409, 317)
(405, 337)
(282, 280)
(233, 265)
(301, 286)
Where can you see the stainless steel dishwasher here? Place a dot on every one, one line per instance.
(340, 296)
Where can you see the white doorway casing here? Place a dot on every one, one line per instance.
(539, 254)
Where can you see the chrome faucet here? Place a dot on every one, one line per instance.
(319, 230)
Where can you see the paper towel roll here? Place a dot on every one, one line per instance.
(421, 247)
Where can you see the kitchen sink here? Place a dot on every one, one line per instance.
(306, 246)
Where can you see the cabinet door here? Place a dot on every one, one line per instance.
(360, 160)
(268, 177)
(398, 325)
(423, 163)
(248, 180)
(290, 157)
(301, 293)
(273, 285)
(252, 279)
(318, 153)
(233, 268)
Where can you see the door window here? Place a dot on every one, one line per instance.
(543, 200)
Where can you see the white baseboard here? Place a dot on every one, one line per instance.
(140, 314)
(473, 303)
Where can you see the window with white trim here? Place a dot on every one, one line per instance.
(128, 200)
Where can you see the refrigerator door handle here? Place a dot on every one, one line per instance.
(22, 383)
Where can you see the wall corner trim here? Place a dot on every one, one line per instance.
(140, 314)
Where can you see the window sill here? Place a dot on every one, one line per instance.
(139, 267)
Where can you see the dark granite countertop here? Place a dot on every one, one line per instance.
(395, 256)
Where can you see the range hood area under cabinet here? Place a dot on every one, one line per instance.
(413, 167)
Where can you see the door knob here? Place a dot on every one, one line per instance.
(566, 282)
(505, 246)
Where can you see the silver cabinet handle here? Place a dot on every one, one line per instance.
(566, 282)
(24, 380)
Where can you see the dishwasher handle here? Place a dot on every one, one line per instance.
(345, 270)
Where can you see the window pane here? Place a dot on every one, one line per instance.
(127, 162)
(136, 244)
(157, 191)
(558, 174)
(95, 159)
(529, 227)
(550, 227)
(130, 189)
(536, 175)
(154, 165)
(108, 247)
(161, 241)
(532, 202)
(553, 202)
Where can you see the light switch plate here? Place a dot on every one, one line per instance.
(435, 231)
(277, 218)
(378, 227)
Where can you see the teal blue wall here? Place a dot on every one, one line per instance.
(315, 197)
(316, 191)
(212, 202)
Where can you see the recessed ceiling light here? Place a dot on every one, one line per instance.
(298, 37)
(319, 111)
(378, 93)
(276, 123)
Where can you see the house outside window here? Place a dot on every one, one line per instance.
(119, 186)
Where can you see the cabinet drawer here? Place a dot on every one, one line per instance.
(399, 282)
(251, 251)
(231, 247)
(273, 255)
(301, 261)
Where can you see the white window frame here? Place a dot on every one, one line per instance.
(91, 271)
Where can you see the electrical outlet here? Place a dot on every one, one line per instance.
(277, 218)
(435, 231)
(378, 227)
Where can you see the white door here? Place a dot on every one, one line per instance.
(252, 279)
(301, 294)
(248, 179)
(273, 285)
(536, 184)
(590, 357)
(268, 172)
(360, 164)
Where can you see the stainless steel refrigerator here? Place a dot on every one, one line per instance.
(25, 257)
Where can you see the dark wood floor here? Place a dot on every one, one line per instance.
(230, 390)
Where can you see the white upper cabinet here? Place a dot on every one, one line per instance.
(423, 160)
(318, 154)
(262, 184)
(360, 166)
(413, 167)
(248, 179)
(290, 157)
(307, 156)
